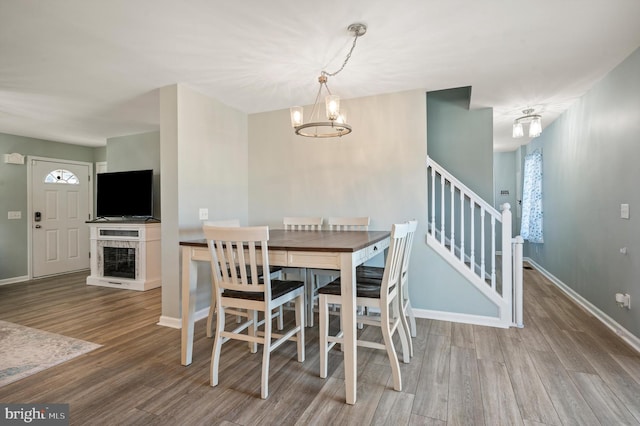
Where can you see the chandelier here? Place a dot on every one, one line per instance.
(535, 124)
(336, 119)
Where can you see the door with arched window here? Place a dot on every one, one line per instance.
(60, 206)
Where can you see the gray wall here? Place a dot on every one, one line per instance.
(590, 160)
(13, 196)
(137, 152)
(378, 170)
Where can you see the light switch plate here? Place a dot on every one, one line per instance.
(624, 211)
(203, 214)
(14, 215)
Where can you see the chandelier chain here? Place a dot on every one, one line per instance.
(346, 59)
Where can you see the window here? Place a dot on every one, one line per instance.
(531, 228)
(62, 176)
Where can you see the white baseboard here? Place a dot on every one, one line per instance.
(457, 317)
(14, 280)
(174, 322)
(612, 324)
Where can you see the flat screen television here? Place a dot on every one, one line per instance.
(125, 194)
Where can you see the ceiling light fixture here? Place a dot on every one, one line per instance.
(535, 124)
(337, 119)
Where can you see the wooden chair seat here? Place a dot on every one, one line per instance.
(363, 289)
(278, 289)
(374, 272)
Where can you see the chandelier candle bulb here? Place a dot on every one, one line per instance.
(296, 116)
(535, 128)
(518, 132)
(333, 107)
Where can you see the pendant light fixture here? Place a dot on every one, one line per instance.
(335, 123)
(535, 124)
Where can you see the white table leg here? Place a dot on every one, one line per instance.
(348, 313)
(188, 284)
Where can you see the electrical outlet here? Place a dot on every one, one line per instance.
(203, 213)
(623, 300)
(14, 215)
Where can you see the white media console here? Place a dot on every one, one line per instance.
(125, 254)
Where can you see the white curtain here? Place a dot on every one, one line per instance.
(531, 228)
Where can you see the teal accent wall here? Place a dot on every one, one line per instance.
(590, 158)
(461, 140)
(13, 196)
(504, 178)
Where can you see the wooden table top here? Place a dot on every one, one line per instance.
(329, 241)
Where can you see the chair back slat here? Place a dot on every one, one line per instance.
(236, 253)
(393, 265)
(413, 225)
(348, 223)
(302, 223)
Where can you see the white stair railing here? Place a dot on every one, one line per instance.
(464, 228)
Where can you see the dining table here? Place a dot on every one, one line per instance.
(335, 250)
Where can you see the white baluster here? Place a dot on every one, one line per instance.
(453, 223)
(472, 236)
(461, 225)
(442, 233)
(482, 246)
(433, 202)
(493, 252)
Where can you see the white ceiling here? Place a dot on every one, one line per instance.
(81, 71)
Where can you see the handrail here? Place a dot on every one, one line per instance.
(443, 172)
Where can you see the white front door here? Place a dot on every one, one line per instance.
(60, 206)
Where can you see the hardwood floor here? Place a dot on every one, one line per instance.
(564, 367)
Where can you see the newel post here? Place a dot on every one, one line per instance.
(507, 272)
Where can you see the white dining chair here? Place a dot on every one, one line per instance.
(319, 277)
(275, 271)
(303, 223)
(382, 297)
(249, 290)
(375, 274)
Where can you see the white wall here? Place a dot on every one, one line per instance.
(204, 164)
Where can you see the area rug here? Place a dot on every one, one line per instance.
(25, 351)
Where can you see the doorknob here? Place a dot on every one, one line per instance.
(38, 226)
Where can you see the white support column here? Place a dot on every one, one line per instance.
(507, 274)
(518, 281)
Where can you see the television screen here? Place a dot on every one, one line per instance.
(125, 194)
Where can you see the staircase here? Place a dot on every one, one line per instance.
(476, 239)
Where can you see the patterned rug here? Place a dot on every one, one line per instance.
(25, 351)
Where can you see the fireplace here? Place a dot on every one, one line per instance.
(119, 262)
(118, 258)
(125, 255)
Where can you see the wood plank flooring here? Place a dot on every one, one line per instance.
(563, 368)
